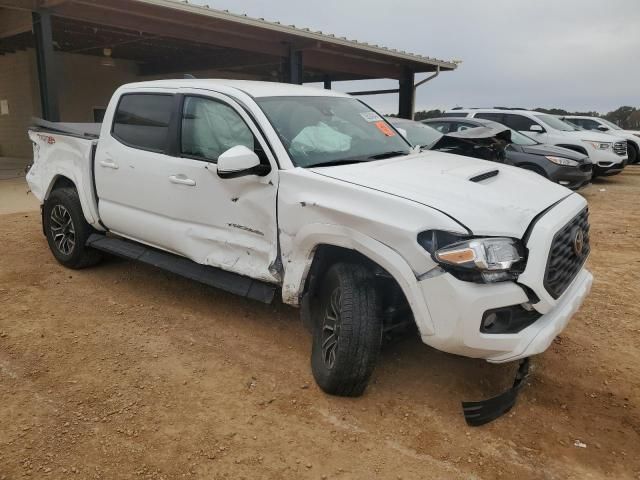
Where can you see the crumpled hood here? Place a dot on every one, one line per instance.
(500, 205)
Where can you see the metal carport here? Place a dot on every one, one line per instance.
(166, 37)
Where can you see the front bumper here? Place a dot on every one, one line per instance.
(608, 171)
(456, 308)
(607, 162)
(571, 177)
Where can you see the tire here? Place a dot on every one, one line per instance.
(348, 295)
(633, 153)
(67, 230)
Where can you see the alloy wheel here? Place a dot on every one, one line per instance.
(62, 230)
(331, 328)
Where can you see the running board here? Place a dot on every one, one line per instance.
(212, 276)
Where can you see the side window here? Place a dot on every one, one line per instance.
(461, 127)
(442, 127)
(518, 122)
(142, 121)
(588, 124)
(496, 117)
(210, 128)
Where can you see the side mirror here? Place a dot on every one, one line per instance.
(536, 128)
(239, 161)
(603, 128)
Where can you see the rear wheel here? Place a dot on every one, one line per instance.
(347, 330)
(67, 230)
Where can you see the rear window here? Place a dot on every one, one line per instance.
(142, 121)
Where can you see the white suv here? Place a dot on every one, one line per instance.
(608, 153)
(602, 125)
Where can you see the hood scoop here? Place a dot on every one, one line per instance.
(484, 176)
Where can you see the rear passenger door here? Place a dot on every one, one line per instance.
(175, 200)
(131, 151)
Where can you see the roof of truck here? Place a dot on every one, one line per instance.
(250, 87)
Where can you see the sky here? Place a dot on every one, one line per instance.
(572, 54)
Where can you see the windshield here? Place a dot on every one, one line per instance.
(556, 123)
(319, 131)
(609, 124)
(419, 134)
(518, 138)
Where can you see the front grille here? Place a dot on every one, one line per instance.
(565, 257)
(620, 148)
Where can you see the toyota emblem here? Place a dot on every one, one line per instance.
(578, 241)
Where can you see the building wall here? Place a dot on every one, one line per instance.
(83, 83)
(86, 84)
(18, 87)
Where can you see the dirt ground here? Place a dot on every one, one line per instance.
(123, 371)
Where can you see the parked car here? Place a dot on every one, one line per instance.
(259, 187)
(607, 153)
(605, 126)
(561, 165)
(487, 143)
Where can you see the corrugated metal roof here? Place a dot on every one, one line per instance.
(301, 32)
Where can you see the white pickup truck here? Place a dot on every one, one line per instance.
(259, 188)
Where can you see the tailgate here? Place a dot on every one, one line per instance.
(58, 155)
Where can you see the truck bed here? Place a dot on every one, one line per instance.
(83, 130)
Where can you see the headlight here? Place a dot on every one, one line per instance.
(475, 259)
(562, 161)
(481, 253)
(598, 145)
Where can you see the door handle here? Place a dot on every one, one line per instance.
(109, 164)
(182, 180)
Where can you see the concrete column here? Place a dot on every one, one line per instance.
(47, 77)
(406, 95)
(294, 68)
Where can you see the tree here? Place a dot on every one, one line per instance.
(621, 116)
(423, 115)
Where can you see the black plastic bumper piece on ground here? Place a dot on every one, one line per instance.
(214, 277)
(485, 411)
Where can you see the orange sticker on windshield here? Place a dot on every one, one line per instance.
(384, 128)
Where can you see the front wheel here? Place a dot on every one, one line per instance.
(347, 330)
(632, 152)
(67, 230)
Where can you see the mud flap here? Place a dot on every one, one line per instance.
(485, 411)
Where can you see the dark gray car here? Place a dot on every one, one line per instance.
(561, 165)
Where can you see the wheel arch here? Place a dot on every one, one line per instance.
(575, 148)
(66, 179)
(532, 167)
(60, 181)
(316, 246)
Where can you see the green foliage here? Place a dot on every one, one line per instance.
(427, 114)
(625, 117)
